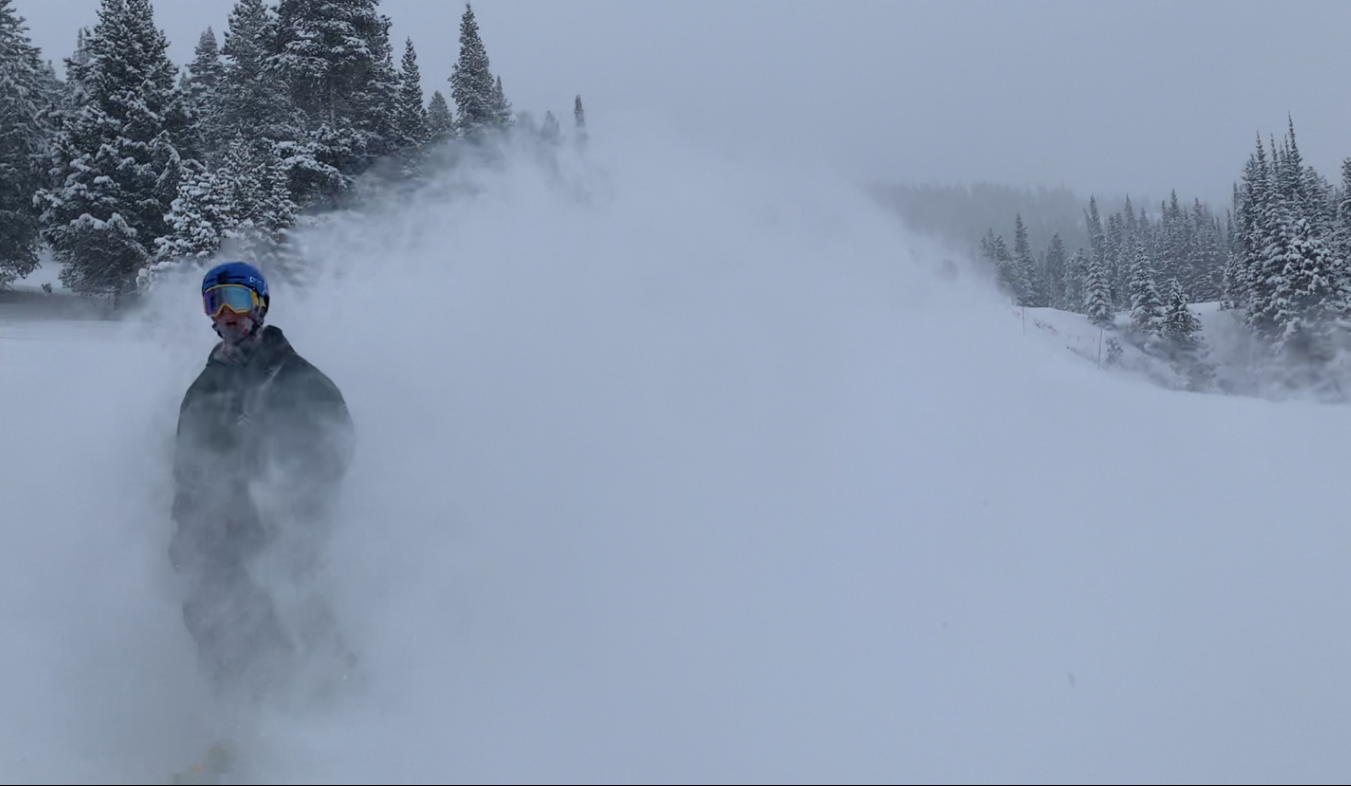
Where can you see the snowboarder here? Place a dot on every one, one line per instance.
(264, 440)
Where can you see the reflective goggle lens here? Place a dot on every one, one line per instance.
(237, 298)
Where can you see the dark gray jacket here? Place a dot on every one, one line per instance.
(263, 413)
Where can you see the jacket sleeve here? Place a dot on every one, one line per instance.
(201, 470)
(209, 487)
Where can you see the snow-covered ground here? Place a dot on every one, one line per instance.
(1236, 362)
(48, 273)
(673, 469)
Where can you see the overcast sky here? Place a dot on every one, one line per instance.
(1101, 96)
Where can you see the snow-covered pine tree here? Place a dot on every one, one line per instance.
(27, 100)
(1096, 237)
(1180, 325)
(1181, 334)
(1176, 240)
(1130, 223)
(579, 119)
(502, 114)
(116, 168)
(440, 122)
(471, 81)
(255, 103)
(245, 204)
(1233, 288)
(253, 98)
(335, 57)
(1306, 294)
(1014, 273)
(1054, 273)
(1341, 245)
(996, 250)
(1297, 289)
(199, 86)
(1119, 257)
(1254, 216)
(1208, 257)
(1098, 294)
(1303, 186)
(72, 93)
(1076, 270)
(195, 220)
(549, 130)
(258, 203)
(1146, 306)
(380, 102)
(412, 116)
(986, 245)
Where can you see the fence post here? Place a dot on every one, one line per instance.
(1100, 348)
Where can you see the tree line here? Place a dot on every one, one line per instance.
(1280, 256)
(130, 164)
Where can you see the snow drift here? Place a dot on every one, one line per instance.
(682, 469)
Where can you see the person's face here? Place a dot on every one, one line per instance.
(234, 327)
(233, 310)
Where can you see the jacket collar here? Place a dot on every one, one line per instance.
(265, 349)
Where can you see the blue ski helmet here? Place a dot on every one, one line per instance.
(241, 273)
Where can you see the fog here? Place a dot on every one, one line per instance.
(673, 469)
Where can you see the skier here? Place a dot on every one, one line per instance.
(264, 440)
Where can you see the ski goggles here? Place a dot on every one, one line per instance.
(236, 297)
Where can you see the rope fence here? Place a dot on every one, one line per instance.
(1087, 347)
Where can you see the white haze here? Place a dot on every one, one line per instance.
(678, 469)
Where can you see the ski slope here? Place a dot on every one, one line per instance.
(683, 469)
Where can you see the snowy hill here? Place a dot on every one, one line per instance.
(677, 470)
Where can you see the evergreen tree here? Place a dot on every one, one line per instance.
(1098, 294)
(116, 167)
(1254, 215)
(245, 203)
(337, 61)
(987, 243)
(550, 131)
(502, 115)
(579, 118)
(199, 87)
(1096, 236)
(27, 100)
(77, 69)
(252, 98)
(195, 219)
(1207, 255)
(1306, 294)
(412, 117)
(1234, 285)
(1181, 333)
(1342, 234)
(1146, 307)
(1295, 285)
(1119, 257)
(1180, 325)
(1173, 254)
(471, 82)
(254, 101)
(1014, 274)
(1054, 273)
(1076, 270)
(440, 122)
